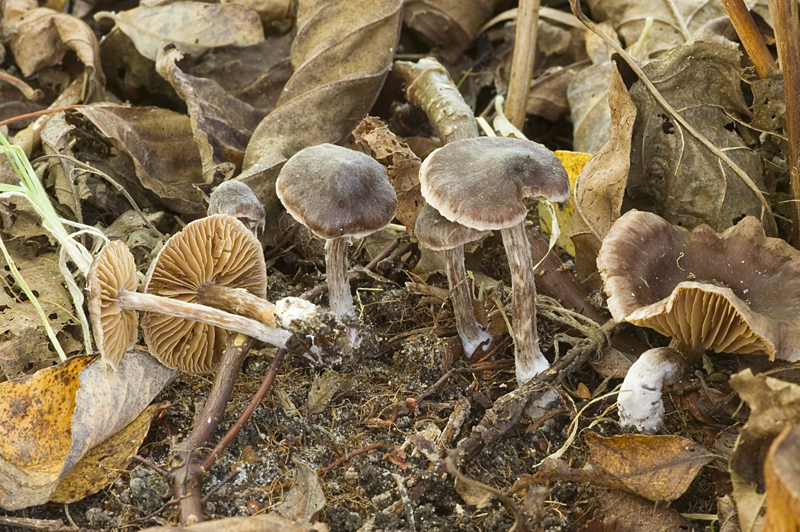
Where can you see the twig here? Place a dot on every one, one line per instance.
(266, 384)
(522, 62)
(40, 113)
(339, 461)
(787, 35)
(508, 410)
(751, 38)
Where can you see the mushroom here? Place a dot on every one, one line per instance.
(436, 232)
(338, 194)
(238, 200)
(113, 302)
(734, 292)
(482, 183)
(215, 261)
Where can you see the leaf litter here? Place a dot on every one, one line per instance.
(359, 443)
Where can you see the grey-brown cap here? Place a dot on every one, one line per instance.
(238, 200)
(216, 249)
(734, 292)
(115, 328)
(482, 182)
(436, 232)
(336, 192)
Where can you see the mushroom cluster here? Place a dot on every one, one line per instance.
(208, 279)
(734, 292)
(338, 194)
(482, 183)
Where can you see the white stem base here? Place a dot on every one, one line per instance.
(640, 403)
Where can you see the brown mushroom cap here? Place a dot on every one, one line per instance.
(735, 292)
(237, 199)
(482, 182)
(336, 192)
(216, 249)
(436, 232)
(112, 270)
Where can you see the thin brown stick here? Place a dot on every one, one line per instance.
(266, 384)
(522, 62)
(787, 35)
(40, 113)
(351, 454)
(751, 38)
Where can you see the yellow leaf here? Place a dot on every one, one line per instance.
(573, 162)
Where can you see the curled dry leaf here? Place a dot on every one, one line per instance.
(342, 53)
(306, 496)
(782, 473)
(41, 37)
(774, 404)
(672, 173)
(658, 468)
(401, 164)
(222, 124)
(50, 420)
(451, 24)
(194, 27)
(600, 187)
(161, 144)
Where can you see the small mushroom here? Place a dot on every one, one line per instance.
(732, 292)
(338, 194)
(482, 183)
(215, 261)
(436, 232)
(238, 200)
(113, 302)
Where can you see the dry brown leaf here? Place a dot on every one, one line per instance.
(51, 419)
(672, 174)
(629, 513)
(548, 95)
(105, 462)
(782, 474)
(325, 387)
(306, 496)
(24, 343)
(256, 74)
(600, 187)
(41, 37)
(670, 27)
(268, 10)
(342, 53)
(222, 124)
(402, 166)
(658, 468)
(451, 24)
(162, 147)
(256, 523)
(773, 405)
(193, 27)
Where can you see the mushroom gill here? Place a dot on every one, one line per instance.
(734, 292)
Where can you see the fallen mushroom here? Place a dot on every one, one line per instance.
(482, 183)
(238, 200)
(215, 261)
(732, 292)
(113, 302)
(436, 232)
(338, 194)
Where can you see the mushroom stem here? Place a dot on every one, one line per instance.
(529, 359)
(341, 301)
(639, 400)
(237, 301)
(471, 334)
(127, 299)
